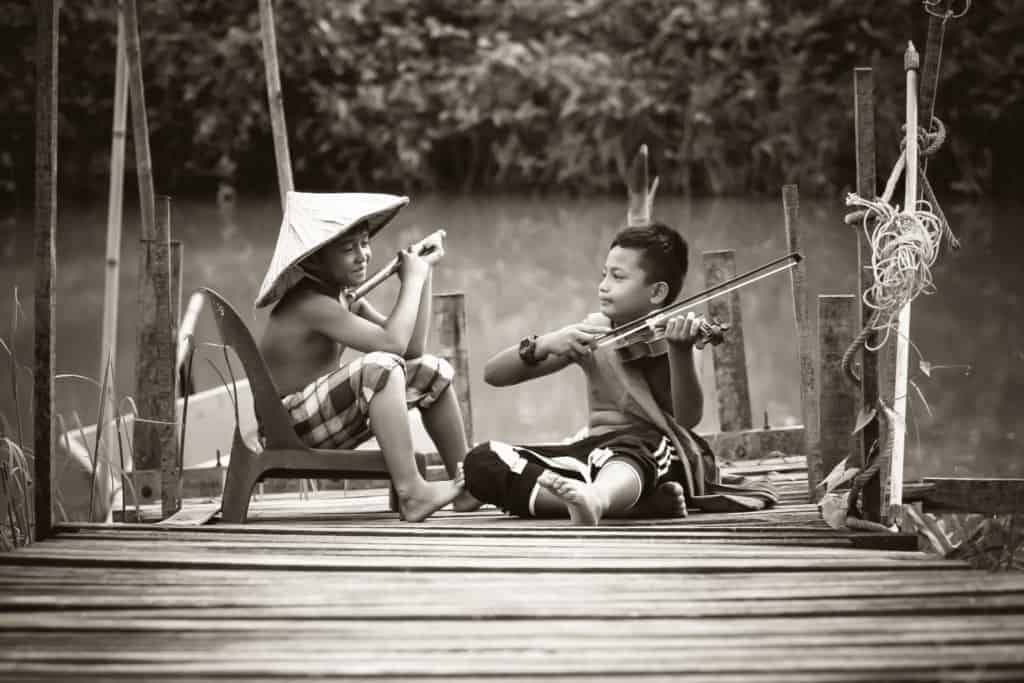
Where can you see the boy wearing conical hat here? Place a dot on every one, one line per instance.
(322, 251)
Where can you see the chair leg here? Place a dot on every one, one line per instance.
(243, 472)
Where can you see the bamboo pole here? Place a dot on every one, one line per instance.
(112, 273)
(864, 135)
(275, 100)
(140, 128)
(47, 30)
(911, 62)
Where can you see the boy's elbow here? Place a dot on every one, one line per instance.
(395, 346)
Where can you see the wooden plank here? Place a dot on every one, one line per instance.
(804, 328)
(729, 357)
(753, 444)
(837, 403)
(45, 264)
(155, 441)
(966, 494)
(864, 133)
(449, 331)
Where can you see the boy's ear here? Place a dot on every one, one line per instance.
(659, 293)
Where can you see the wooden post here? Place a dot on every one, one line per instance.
(805, 348)
(729, 356)
(140, 128)
(449, 323)
(837, 318)
(111, 288)
(864, 133)
(276, 100)
(155, 445)
(44, 437)
(911, 61)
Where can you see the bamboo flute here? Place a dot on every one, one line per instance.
(275, 100)
(47, 30)
(911, 62)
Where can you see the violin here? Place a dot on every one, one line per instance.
(653, 343)
(420, 248)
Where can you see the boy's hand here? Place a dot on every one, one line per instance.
(575, 341)
(432, 249)
(411, 265)
(683, 331)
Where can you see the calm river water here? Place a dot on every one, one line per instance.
(530, 265)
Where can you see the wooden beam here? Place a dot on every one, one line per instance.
(804, 329)
(969, 494)
(729, 357)
(44, 434)
(449, 332)
(837, 405)
(155, 442)
(275, 99)
(195, 482)
(864, 134)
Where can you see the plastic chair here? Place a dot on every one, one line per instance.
(284, 455)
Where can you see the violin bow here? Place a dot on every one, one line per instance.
(389, 269)
(652, 319)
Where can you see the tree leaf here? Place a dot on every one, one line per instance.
(864, 418)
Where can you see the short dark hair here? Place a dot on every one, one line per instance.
(663, 254)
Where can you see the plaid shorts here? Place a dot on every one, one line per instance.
(334, 410)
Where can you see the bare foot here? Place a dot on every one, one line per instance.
(585, 507)
(465, 501)
(429, 497)
(669, 500)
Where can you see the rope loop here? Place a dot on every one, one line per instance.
(931, 7)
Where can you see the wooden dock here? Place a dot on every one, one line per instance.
(335, 586)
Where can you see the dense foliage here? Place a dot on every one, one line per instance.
(734, 96)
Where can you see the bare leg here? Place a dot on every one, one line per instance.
(443, 420)
(390, 424)
(615, 491)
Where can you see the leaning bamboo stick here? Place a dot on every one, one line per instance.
(140, 128)
(47, 31)
(911, 62)
(115, 206)
(276, 101)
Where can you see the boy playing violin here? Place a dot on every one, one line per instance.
(640, 456)
(323, 251)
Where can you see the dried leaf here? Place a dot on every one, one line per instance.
(838, 476)
(864, 418)
(926, 367)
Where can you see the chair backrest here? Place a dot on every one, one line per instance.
(271, 415)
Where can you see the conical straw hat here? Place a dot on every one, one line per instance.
(311, 220)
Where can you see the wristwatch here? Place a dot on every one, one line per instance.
(528, 350)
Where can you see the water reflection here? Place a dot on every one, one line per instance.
(528, 265)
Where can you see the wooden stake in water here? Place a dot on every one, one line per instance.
(276, 100)
(911, 63)
(47, 15)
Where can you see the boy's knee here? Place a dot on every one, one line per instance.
(384, 364)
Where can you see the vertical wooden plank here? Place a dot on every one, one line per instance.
(730, 356)
(44, 437)
(449, 331)
(140, 127)
(804, 331)
(837, 318)
(864, 134)
(155, 445)
(275, 99)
